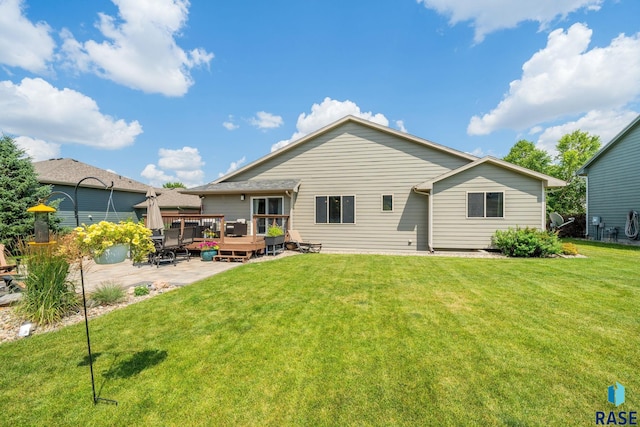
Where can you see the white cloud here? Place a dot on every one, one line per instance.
(229, 124)
(184, 159)
(326, 113)
(400, 126)
(264, 120)
(191, 178)
(234, 166)
(605, 124)
(155, 176)
(140, 51)
(183, 165)
(38, 110)
(488, 16)
(38, 149)
(22, 43)
(566, 79)
(478, 152)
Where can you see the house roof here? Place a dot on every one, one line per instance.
(70, 172)
(607, 147)
(173, 198)
(253, 186)
(549, 181)
(336, 124)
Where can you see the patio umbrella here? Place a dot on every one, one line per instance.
(154, 216)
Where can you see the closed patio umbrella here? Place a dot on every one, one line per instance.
(154, 216)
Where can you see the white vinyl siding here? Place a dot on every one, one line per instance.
(363, 162)
(453, 229)
(356, 160)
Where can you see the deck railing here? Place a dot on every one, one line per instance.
(215, 226)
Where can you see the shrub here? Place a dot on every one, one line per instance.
(48, 296)
(274, 231)
(108, 293)
(527, 242)
(569, 249)
(140, 291)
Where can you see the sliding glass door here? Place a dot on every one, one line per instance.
(267, 206)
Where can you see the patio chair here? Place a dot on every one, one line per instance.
(293, 237)
(187, 238)
(166, 247)
(4, 266)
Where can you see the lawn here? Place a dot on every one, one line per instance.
(327, 339)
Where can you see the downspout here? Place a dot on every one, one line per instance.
(430, 219)
(544, 206)
(290, 195)
(586, 217)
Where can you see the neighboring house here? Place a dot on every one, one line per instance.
(613, 182)
(94, 202)
(172, 202)
(357, 185)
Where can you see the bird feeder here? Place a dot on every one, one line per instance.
(41, 224)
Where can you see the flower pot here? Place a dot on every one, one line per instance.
(208, 254)
(113, 255)
(274, 240)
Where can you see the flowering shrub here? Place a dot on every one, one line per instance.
(208, 246)
(96, 238)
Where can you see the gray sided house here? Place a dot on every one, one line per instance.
(613, 183)
(356, 185)
(94, 202)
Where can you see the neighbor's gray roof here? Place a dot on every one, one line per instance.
(252, 186)
(171, 198)
(70, 172)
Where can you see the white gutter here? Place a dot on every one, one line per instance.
(586, 218)
(290, 195)
(544, 207)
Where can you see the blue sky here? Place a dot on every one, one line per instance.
(172, 90)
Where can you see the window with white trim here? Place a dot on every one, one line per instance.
(485, 204)
(387, 203)
(335, 209)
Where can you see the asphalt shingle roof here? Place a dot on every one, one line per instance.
(70, 172)
(252, 186)
(172, 198)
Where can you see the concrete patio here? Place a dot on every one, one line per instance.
(126, 274)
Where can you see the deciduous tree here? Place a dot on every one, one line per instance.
(574, 149)
(524, 153)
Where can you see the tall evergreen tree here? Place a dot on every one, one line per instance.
(19, 190)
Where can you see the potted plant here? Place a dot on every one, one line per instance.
(208, 250)
(109, 242)
(274, 236)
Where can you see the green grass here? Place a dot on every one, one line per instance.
(350, 340)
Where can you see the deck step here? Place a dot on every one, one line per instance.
(233, 255)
